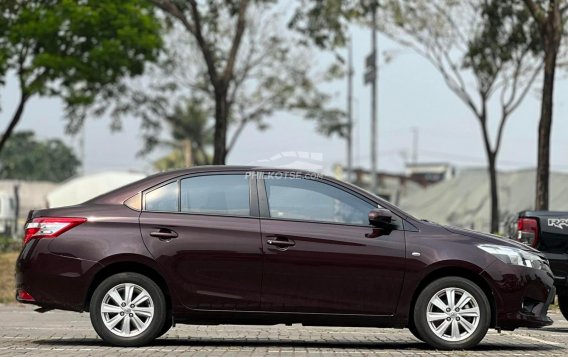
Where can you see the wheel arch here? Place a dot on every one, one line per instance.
(465, 273)
(127, 266)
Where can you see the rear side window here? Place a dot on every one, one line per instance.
(163, 199)
(216, 194)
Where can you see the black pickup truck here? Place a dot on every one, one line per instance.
(547, 231)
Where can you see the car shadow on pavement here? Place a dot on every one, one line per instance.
(382, 345)
(555, 329)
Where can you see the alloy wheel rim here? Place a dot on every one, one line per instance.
(453, 314)
(127, 310)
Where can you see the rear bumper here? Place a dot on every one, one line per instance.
(522, 295)
(52, 280)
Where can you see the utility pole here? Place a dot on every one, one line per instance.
(371, 78)
(414, 145)
(350, 111)
(82, 148)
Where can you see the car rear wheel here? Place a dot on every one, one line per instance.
(452, 313)
(563, 305)
(128, 309)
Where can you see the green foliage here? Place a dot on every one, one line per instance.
(326, 22)
(189, 124)
(507, 35)
(76, 50)
(271, 72)
(9, 244)
(25, 158)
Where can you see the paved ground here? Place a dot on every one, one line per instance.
(23, 331)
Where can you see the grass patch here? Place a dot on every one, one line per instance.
(7, 282)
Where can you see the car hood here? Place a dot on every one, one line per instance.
(492, 239)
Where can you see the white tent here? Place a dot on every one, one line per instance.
(464, 200)
(82, 188)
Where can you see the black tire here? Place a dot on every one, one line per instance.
(414, 331)
(155, 325)
(167, 326)
(563, 305)
(429, 336)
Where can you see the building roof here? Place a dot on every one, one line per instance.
(32, 193)
(464, 200)
(82, 188)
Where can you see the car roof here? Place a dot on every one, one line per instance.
(123, 193)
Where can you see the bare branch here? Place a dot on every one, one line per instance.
(208, 55)
(536, 11)
(172, 9)
(239, 30)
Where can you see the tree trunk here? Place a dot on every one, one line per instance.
(544, 127)
(494, 189)
(491, 170)
(15, 119)
(187, 153)
(220, 136)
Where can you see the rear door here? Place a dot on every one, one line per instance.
(204, 230)
(321, 254)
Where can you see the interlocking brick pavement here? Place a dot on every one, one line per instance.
(58, 333)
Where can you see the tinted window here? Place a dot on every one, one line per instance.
(216, 194)
(164, 199)
(296, 198)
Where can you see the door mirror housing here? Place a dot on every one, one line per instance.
(380, 217)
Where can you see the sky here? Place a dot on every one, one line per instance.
(411, 94)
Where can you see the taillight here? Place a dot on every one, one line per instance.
(50, 227)
(527, 231)
(24, 296)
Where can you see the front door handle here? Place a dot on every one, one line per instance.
(281, 243)
(164, 234)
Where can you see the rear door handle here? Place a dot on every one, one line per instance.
(164, 234)
(281, 242)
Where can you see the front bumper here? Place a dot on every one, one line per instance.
(52, 280)
(522, 295)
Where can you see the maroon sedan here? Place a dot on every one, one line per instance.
(245, 245)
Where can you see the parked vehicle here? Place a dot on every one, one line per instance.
(244, 245)
(548, 232)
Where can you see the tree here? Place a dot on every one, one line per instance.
(462, 40)
(549, 15)
(75, 50)
(249, 66)
(191, 136)
(26, 158)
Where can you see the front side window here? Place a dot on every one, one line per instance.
(216, 194)
(163, 199)
(303, 199)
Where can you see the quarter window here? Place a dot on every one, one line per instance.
(216, 194)
(303, 199)
(163, 199)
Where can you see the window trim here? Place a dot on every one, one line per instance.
(265, 210)
(253, 198)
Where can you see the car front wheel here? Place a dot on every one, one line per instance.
(128, 309)
(452, 313)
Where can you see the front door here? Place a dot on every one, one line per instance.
(204, 233)
(320, 253)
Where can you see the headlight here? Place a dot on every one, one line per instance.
(514, 256)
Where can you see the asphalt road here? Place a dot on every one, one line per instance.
(57, 333)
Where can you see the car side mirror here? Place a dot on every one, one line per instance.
(380, 217)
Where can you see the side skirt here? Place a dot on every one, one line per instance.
(221, 317)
